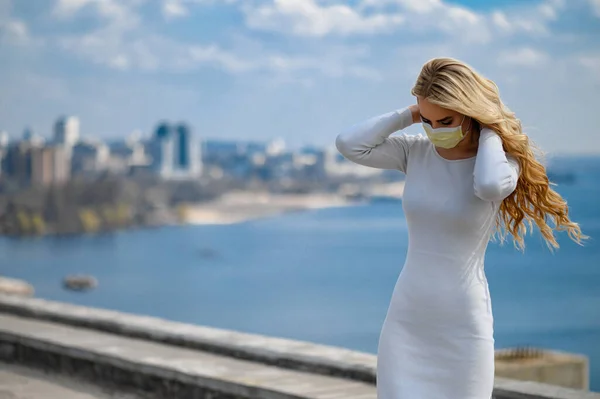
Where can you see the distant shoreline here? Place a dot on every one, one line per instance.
(230, 208)
(242, 207)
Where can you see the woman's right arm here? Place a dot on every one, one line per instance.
(368, 143)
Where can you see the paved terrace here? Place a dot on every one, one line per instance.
(18, 382)
(110, 354)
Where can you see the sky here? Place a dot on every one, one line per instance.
(301, 70)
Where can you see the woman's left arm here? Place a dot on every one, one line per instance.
(495, 174)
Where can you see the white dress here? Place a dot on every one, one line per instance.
(437, 338)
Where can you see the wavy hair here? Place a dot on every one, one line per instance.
(454, 85)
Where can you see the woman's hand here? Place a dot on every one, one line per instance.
(416, 113)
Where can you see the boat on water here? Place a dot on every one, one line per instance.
(80, 282)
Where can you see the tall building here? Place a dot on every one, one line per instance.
(4, 138)
(163, 131)
(89, 157)
(32, 139)
(182, 155)
(3, 150)
(50, 165)
(17, 160)
(175, 152)
(276, 147)
(188, 156)
(16, 163)
(161, 150)
(42, 166)
(66, 131)
(61, 171)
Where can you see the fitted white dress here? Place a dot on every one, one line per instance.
(437, 338)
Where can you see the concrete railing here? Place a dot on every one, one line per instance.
(283, 353)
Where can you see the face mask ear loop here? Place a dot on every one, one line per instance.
(469, 129)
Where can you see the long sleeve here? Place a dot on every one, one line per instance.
(368, 143)
(495, 174)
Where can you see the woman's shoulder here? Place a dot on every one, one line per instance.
(415, 142)
(412, 139)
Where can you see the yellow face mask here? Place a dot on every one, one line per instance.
(444, 137)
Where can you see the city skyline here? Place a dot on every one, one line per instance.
(173, 152)
(58, 133)
(300, 70)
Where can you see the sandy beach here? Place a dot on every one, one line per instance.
(239, 207)
(11, 286)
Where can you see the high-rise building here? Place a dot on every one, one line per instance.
(163, 131)
(182, 156)
(89, 157)
(175, 152)
(50, 165)
(66, 131)
(17, 160)
(3, 150)
(161, 150)
(4, 139)
(61, 158)
(189, 153)
(32, 139)
(42, 166)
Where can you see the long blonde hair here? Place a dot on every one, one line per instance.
(454, 85)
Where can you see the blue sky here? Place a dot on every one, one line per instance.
(296, 69)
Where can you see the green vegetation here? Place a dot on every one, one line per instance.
(104, 204)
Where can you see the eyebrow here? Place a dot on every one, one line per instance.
(439, 120)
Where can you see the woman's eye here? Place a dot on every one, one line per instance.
(447, 123)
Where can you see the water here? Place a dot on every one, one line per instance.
(324, 276)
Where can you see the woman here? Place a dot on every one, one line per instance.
(473, 171)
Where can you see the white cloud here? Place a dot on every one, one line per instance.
(359, 57)
(121, 45)
(314, 18)
(501, 21)
(118, 14)
(327, 67)
(309, 18)
(515, 24)
(418, 6)
(155, 53)
(592, 63)
(67, 8)
(318, 18)
(196, 56)
(215, 2)
(106, 8)
(548, 11)
(530, 20)
(101, 47)
(595, 4)
(13, 31)
(174, 9)
(523, 57)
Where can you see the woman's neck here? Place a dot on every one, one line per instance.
(467, 148)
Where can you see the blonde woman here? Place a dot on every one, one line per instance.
(473, 171)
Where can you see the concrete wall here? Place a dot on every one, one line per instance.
(118, 376)
(318, 359)
(552, 367)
